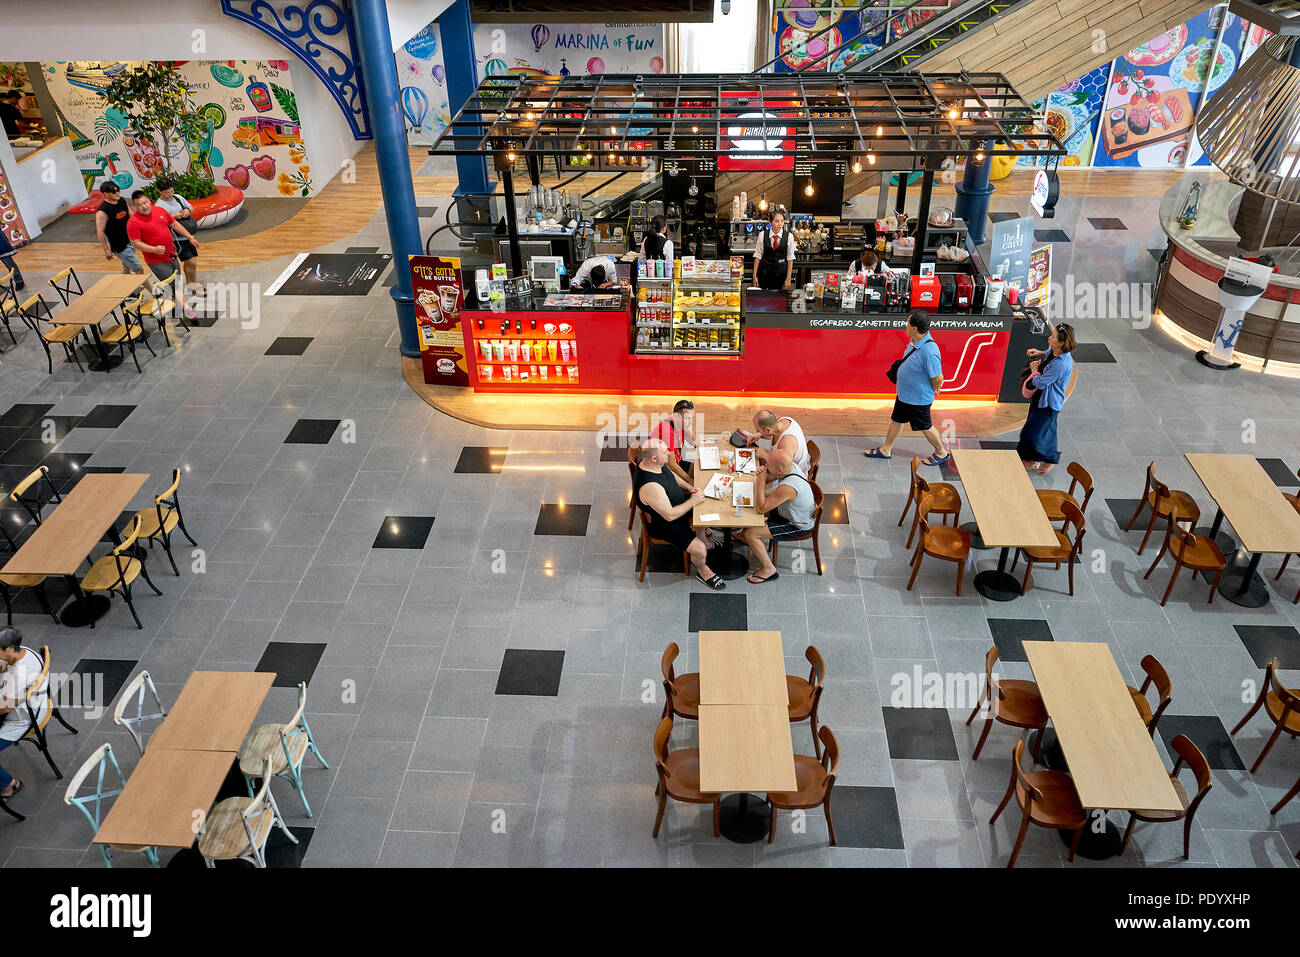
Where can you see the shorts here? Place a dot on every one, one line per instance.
(185, 250)
(164, 270)
(129, 259)
(783, 531)
(678, 532)
(918, 416)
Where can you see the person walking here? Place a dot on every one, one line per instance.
(919, 377)
(183, 213)
(151, 232)
(110, 228)
(1052, 376)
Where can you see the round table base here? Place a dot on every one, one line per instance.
(997, 586)
(745, 818)
(725, 562)
(1095, 845)
(976, 540)
(1255, 595)
(95, 362)
(83, 612)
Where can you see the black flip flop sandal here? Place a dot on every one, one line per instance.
(716, 582)
(762, 581)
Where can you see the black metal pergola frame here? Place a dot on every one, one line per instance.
(885, 121)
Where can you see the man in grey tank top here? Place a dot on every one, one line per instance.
(788, 507)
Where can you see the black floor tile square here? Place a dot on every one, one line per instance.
(997, 444)
(52, 429)
(718, 612)
(96, 680)
(106, 417)
(1122, 510)
(1010, 634)
(1093, 352)
(835, 510)
(427, 210)
(1156, 252)
(562, 520)
(1106, 222)
(26, 601)
(1050, 236)
(1282, 474)
(1207, 733)
(1002, 217)
(920, 734)
(530, 672)
(1266, 642)
(65, 465)
(288, 346)
(23, 415)
(866, 817)
(404, 531)
(312, 432)
(8, 436)
(481, 459)
(615, 449)
(292, 661)
(27, 453)
(353, 250)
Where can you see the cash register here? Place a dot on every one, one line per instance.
(546, 271)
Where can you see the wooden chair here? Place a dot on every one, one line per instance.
(1197, 552)
(106, 788)
(1172, 505)
(1295, 502)
(38, 722)
(66, 284)
(814, 780)
(1054, 498)
(1065, 552)
(1010, 701)
(643, 548)
(633, 451)
(814, 460)
(946, 500)
(134, 723)
(158, 523)
(19, 582)
(117, 570)
(238, 828)
(65, 336)
(681, 692)
(1281, 704)
(159, 291)
(1295, 789)
(1046, 798)
(8, 301)
(679, 777)
(1190, 755)
(126, 334)
(159, 307)
(939, 541)
(804, 695)
(1156, 675)
(285, 747)
(814, 533)
(35, 492)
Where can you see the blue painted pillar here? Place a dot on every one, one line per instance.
(973, 194)
(379, 72)
(456, 32)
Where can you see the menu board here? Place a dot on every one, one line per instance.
(436, 282)
(827, 180)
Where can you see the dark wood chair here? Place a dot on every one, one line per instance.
(633, 451)
(939, 541)
(814, 781)
(679, 777)
(1064, 552)
(1295, 503)
(805, 695)
(647, 540)
(814, 534)
(1172, 505)
(946, 500)
(1281, 704)
(1046, 798)
(1054, 498)
(1197, 552)
(1295, 789)
(681, 692)
(1156, 675)
(814, 460)
(1190, 755)
(1013, 702)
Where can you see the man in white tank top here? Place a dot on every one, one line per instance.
(784, 433)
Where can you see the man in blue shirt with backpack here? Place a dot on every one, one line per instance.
(919, 376)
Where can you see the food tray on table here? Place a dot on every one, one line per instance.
(1130, 127)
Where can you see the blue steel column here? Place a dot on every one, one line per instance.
(379, 71)
(456, 32)
(973, 194)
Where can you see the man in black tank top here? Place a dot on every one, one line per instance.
(665, 502)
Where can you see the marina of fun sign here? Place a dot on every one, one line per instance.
(565, 49)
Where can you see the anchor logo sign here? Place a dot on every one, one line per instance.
(1229, 336)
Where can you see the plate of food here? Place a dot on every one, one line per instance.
(746, 460)
(742, 493)
(1159, 49)
(1190, 68)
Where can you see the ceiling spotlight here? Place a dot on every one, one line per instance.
(952, 114)
(857, 165)
(808, 190)
(510, 156)
(695, 129)
(871, 158)
(880, 131)
(979, 156)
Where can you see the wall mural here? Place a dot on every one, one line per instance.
(581, 49)
(423, 80)
(253, 139)
(798, 23)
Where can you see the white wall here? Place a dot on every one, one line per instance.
(407, 17)
(43, 191)
(324, 128)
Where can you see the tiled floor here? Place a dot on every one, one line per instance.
(484, 668)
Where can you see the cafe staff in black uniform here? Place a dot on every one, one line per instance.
(774, 256)
(657, 245)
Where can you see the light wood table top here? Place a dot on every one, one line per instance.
(1003, 499)
(116, 287)
(1113, 761)
(742, 667)
(84, 311)
(723, 508)
(74, 528)
(1262, 518)
(214, 711)
(746, 748)
(165, 798)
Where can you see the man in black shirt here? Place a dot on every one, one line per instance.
(666, 502)
(11, 112)
(110, 227)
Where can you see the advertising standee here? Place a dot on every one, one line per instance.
(436, 282)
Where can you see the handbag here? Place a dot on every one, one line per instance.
(892, 372)
(739, 439)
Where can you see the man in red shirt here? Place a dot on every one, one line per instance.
(674, 430)
(150, 231)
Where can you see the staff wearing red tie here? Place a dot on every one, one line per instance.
(774, 256)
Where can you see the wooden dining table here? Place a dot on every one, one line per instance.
(213, 712)
(1007, 510)
(1264, 521)
(66, 537)
(93, 307)
(721, 513)
(166, 798)
(1105, 745)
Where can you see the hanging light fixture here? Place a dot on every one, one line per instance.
(808, 190)
(857, 165)
(871, 159)
(880, 131)
(1251, 128)
(693, 190)
(762, 204)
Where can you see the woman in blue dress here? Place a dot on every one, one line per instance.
(1050, 375)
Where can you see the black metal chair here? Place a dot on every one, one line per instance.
(66, 284)
(65, 336)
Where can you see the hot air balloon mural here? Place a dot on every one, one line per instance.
(595, 65)
(415, 105)
(496, 67)
(541, 33)
(439, 74)
(656, 64)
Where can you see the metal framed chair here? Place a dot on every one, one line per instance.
(126, 334)
(19, 582)
(66, 284)
(40, 688)
(162, 292)
(117, 570)
(105, 767)
(158, 523)
(134, 723)
(8, 301)
(65, 336)
(35, 492)
(283, 747)
(238, 828)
